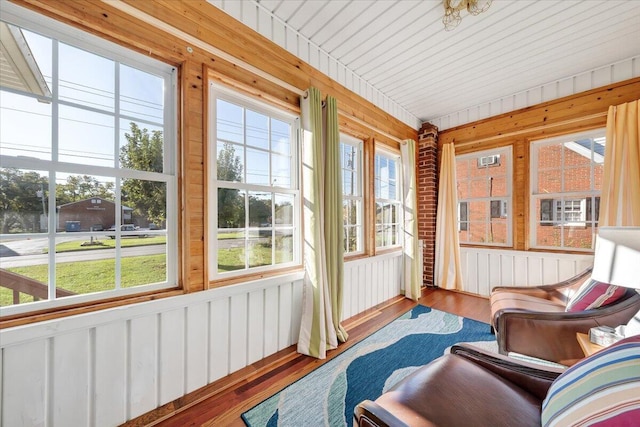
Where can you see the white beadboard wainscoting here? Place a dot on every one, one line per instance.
(482, 269)
(104, 368)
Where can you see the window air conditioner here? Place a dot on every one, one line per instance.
(489, 160)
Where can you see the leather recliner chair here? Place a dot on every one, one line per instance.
(472, 387)
(533, 320)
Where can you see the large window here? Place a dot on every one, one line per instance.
(566, 178)
(352, 200)
(484, 197)
(254, 197)
(387, 199)
(87, 168)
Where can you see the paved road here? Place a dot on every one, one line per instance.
(20, 253)
(89, 255)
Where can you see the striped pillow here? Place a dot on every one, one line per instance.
(602, 390)
(593, 294)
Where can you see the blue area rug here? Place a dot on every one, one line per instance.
(327, 396)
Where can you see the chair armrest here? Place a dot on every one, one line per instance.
(369, 414)
(552, 292)
(534, 378)
(552, 336)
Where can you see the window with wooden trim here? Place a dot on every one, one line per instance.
(566, 179)
(388, 204)
(254, 196)
(87, 168)
(484, 197)
(352, 197)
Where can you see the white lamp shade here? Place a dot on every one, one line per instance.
(617, 256)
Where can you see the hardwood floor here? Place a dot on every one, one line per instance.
(222, 402)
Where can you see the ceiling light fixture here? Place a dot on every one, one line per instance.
(452, 9)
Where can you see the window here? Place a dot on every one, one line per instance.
(254, 210)
(566, 177)
(352, 200)
(484, 197)
(87, 159)
(387, 199)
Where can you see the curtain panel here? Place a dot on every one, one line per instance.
(620, 197)
(411, 261)
(323, 228)
(448, 272)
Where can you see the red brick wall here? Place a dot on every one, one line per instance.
(427, 176)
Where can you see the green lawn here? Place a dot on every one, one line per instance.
(237, 235)
(233, 258)
(93, 276)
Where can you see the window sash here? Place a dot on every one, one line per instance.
(557, 203)
(255, 235)
(353, 224)
(484, 197)
(388, 210)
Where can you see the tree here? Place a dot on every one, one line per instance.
(144, 152)
(20, 200)
(230, 202)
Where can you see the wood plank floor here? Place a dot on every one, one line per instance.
(222, 402)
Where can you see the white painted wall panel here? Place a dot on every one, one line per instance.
(271, 319)
(601, 76)
(285, 317)
(106, 367)
(238, 332)
(143, 365)
(292, 42)
(197, 346)
(565, 87)
(279, 33)
(582, 82)
(483, 269)
(24, 372)
(70, 365)
(110, 390)
(570, 85)
(172, 355)
(296, 311)
(265, 26)
(249, 15)
(219, 341)
(256, 326)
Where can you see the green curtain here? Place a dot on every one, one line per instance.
(322, 295)
(411, 258)
(334, 223)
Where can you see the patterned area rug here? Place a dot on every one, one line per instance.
(327, 396)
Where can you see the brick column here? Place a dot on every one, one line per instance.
(427, 176)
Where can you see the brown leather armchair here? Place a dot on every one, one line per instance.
(466, 387)
(472, 387)
(533, 320)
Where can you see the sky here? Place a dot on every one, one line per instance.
(88, 108)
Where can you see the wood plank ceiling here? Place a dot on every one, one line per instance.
(401, 48)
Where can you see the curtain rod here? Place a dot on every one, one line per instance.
(143, 16)
(541, 127)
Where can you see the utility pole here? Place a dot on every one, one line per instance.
(40, 193)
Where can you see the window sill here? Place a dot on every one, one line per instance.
(218, 283)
